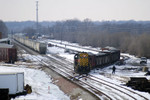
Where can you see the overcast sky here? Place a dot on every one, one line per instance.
(52, 10)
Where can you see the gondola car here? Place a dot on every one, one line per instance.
(84, 62)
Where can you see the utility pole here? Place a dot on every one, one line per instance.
(37, 23)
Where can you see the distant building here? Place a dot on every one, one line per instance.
(8, 53)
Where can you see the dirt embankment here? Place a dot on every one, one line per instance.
(74, 91)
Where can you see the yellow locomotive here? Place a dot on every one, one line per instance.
(81, 63)
(84, 62)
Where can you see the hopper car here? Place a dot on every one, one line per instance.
(84, 62)
(35, 45)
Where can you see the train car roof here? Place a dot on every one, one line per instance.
(100, 54)
(89, 53)
(109, 51)
(31, 39)
(4, 39)
(3, 45)
(111, 48)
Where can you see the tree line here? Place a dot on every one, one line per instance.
(129, 36)
(3, 29)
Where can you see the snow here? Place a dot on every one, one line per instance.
(41, 83)
(77, 47)
(121, 70)
(60, 52)
(132, 68)
(55, 50)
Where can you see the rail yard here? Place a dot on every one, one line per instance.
(75, 50)
(98, 82)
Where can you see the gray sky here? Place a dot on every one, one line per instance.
(52, 10)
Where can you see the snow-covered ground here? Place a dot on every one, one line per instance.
(132, 68)
(60, 52)
(65, 44)
(123, 70)
(41, 83)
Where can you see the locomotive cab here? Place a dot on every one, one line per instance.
(81, 63)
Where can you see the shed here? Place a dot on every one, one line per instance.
(14, 81)
(8, 53)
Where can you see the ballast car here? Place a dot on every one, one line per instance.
(84, 62)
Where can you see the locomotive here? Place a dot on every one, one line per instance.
(84, 62)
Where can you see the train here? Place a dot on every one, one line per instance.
(84, 62)
(35, 45)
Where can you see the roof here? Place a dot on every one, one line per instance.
(5, 39)
(11, 73)
(100, 54)
(3, 45)
(111, 48)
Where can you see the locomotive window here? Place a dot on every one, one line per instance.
(76, 56)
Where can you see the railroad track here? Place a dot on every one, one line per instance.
(115, 85)
(56, 64)
(69, 76)
(68, 73)
(124, 90)
(66, 70)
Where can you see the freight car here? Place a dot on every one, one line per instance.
(7, 53)
(35, 45)
(84, 62)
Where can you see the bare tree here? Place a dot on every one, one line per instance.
(3, 29)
